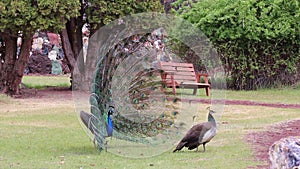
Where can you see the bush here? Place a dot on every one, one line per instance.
(257, 40)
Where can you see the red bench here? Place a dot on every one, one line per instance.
(183, 75)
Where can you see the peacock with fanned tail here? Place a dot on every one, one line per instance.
(127, 101)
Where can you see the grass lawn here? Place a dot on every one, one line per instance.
(39, 82)
(45, 133)
(287, 95)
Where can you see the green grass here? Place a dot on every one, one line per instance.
(37, 137)
(30, 139)
(36, 133)
(5, 99)
(40, 82)
(287, 95)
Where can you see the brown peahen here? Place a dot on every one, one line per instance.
(199, 134)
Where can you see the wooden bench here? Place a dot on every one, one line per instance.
(183, 75)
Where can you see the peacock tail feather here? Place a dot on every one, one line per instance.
(132, 85)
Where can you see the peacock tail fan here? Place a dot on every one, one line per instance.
(143, 109)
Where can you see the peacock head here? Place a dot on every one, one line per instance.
(111, 110)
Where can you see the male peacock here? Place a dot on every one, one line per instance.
(199, 134)
(110, 126)
(86, 119)
(142, 112)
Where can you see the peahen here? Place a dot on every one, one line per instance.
(199, 134)
(142, 112)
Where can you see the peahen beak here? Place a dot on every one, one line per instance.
(211, 112)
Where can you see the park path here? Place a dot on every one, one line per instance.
(244, 102)
(65, 94)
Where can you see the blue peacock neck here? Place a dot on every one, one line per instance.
(110, 126)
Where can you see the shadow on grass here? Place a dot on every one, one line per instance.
(82, 150)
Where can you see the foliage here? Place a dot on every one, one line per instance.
(102, 12)
(21, 19)
(29, 16)
(258, 40)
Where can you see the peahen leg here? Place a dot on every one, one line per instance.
(204, 147)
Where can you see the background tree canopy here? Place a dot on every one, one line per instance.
(24, 17)
(28, 16)
(257, 40)
(21, 19)
(97, 13)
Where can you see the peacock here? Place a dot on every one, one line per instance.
(86, 119)
(199, 134)
(128, 100)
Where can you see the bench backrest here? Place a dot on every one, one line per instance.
(182, 72)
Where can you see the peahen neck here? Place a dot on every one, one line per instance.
(211, 119)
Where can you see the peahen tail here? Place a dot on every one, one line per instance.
(179, 146)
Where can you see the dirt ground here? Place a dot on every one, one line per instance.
(260, 141)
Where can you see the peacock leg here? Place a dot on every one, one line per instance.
(94, 141)
(105, 144)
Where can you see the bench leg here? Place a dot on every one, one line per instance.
(195, 91)
(173, 85)
(162, 88)
(207, 91)
(174, 89)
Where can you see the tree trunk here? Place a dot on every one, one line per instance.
(7, 66)
(69, 54)
(12, 68)
(99, 45)
(73, 45)
(21, 62)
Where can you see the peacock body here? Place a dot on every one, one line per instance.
(128, 102)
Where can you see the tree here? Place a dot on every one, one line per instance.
(21, 19)
(96, 13)
(258, 40)
(65, 17)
